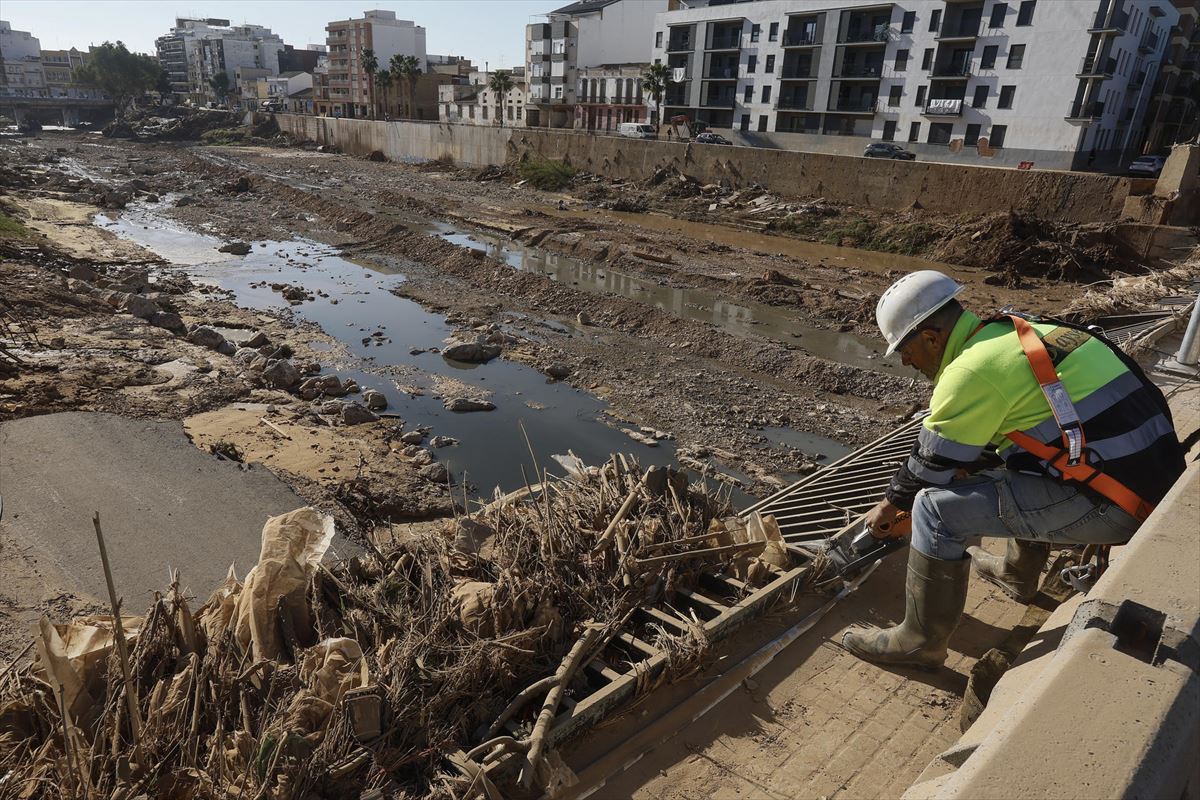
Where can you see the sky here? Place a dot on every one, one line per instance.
(491, 31)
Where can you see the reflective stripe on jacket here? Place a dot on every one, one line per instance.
(985, 387)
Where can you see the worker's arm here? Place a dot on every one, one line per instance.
(966, 411)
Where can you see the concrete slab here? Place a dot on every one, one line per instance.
(163, 503)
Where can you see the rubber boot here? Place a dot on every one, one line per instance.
(935, 593)
(1017, 571)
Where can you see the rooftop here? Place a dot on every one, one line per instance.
(584, 7)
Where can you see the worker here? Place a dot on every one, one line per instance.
(1087, 443)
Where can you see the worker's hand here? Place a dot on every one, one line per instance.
(886, 521)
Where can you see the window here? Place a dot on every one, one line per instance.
(927, 59)
(762, 121)
(770, 64)
(940, 132)
(909, 22)
(998, 12)
(935, 20)
(766, 96)
(901, 60)
(1025, 12)
(894, 96)
(510, 112)
(889, 130)
(972, 137)
(1006, 96)
(755, 32)
(920, 96)
(745, 122)
(988, 59)
(752, 64)
(774, 34)
(996, 139)
(482, 109)
(1016, 56)
(658, 39)
(914, 131)
(748, 95)
(981, 94)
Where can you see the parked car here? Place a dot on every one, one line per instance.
(888, 150)
(1147, 166)
(711, 138)
(270, 105)
(637, 130)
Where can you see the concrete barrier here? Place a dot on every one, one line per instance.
(896, 185)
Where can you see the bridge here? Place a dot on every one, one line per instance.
(42, 104)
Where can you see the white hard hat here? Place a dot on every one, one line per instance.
(909, 301)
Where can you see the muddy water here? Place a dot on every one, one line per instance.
(492, 448)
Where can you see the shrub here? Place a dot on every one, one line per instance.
(547, 174)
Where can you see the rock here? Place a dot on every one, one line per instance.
(170, 321)
(471, 352)
(583, 319)
(139, 306)
(327, 385)
(410, 451)
(374, 400)
(207, 337)
(354, 414)
(226, 348)
(82, 272)
(377, 155)
(256, 340)
(461, 405)
(442, 441)
(342, 225)
(435, 472)
(421, 457)
(236, 248)
(412, 437)
(557, 371)
(281, 374)
(245, 355)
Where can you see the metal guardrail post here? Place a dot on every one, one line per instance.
(1189, 348)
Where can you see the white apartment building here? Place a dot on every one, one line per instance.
(588, 33)
(196, 50)
(473, 103)
(379, 31)
(20, 60)
(1051, 83)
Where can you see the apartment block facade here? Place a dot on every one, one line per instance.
(348, 83)
(58, 67)
(1174, 113)
(608, 95)
(588, 33)
(1005, 82)
(20, 60)
(471, 102)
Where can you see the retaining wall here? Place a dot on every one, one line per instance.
(898, 185)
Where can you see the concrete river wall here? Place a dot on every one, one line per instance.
(896, 185)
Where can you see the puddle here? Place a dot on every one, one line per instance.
(492, 447)
(819, 448)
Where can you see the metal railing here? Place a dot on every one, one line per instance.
(795, 73)
(879, 33)
(861, 106)
(803, 103)
(860, 71)
(726, 42)
(1095, 65)
(682, 43)
(1116, 22)
(959, 31)
(943, 107)
(799, 38)
(721, 73)
(720, 101)
(1086, 110)
(951, 70)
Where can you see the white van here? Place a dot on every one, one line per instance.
(637, 130)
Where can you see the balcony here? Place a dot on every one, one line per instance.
(866, 71)
(1137, 80)
(679, 44)
(1085, 111)
(1113, 25)
(795, 103)
(800, 38)
(943, 107)
(1096, 67)
(719, 73)
(951, 71)
(1149, 43)
(806, 72)
(854, 105)
(958, 33)
(719, 101)
(677, 100)
(877, 35)
(729, 42)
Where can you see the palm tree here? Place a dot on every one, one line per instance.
(383, 79)
(406, 70)
(654, 80)
(501, 84)
(370, 64)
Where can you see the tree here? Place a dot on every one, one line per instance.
(219, 83)
(406, 70)
(162, 84)
(383, 80)
(501, 84)
(120, 74)
(370, 65)
(654, 81)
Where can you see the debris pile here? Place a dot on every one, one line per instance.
(384, 671)
(170, 123)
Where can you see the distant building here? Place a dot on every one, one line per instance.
(195, 51)
(473, 103)
(176, 48)
(588, 33)
(59, 67)
(291, 59)
(1174, 110)
(608, 95)
(250, 86)
(379, 31)
(20, 60)
(454, 66)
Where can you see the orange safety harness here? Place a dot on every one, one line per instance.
(1070, 459)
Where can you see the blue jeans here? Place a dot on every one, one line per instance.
(1009, 504)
